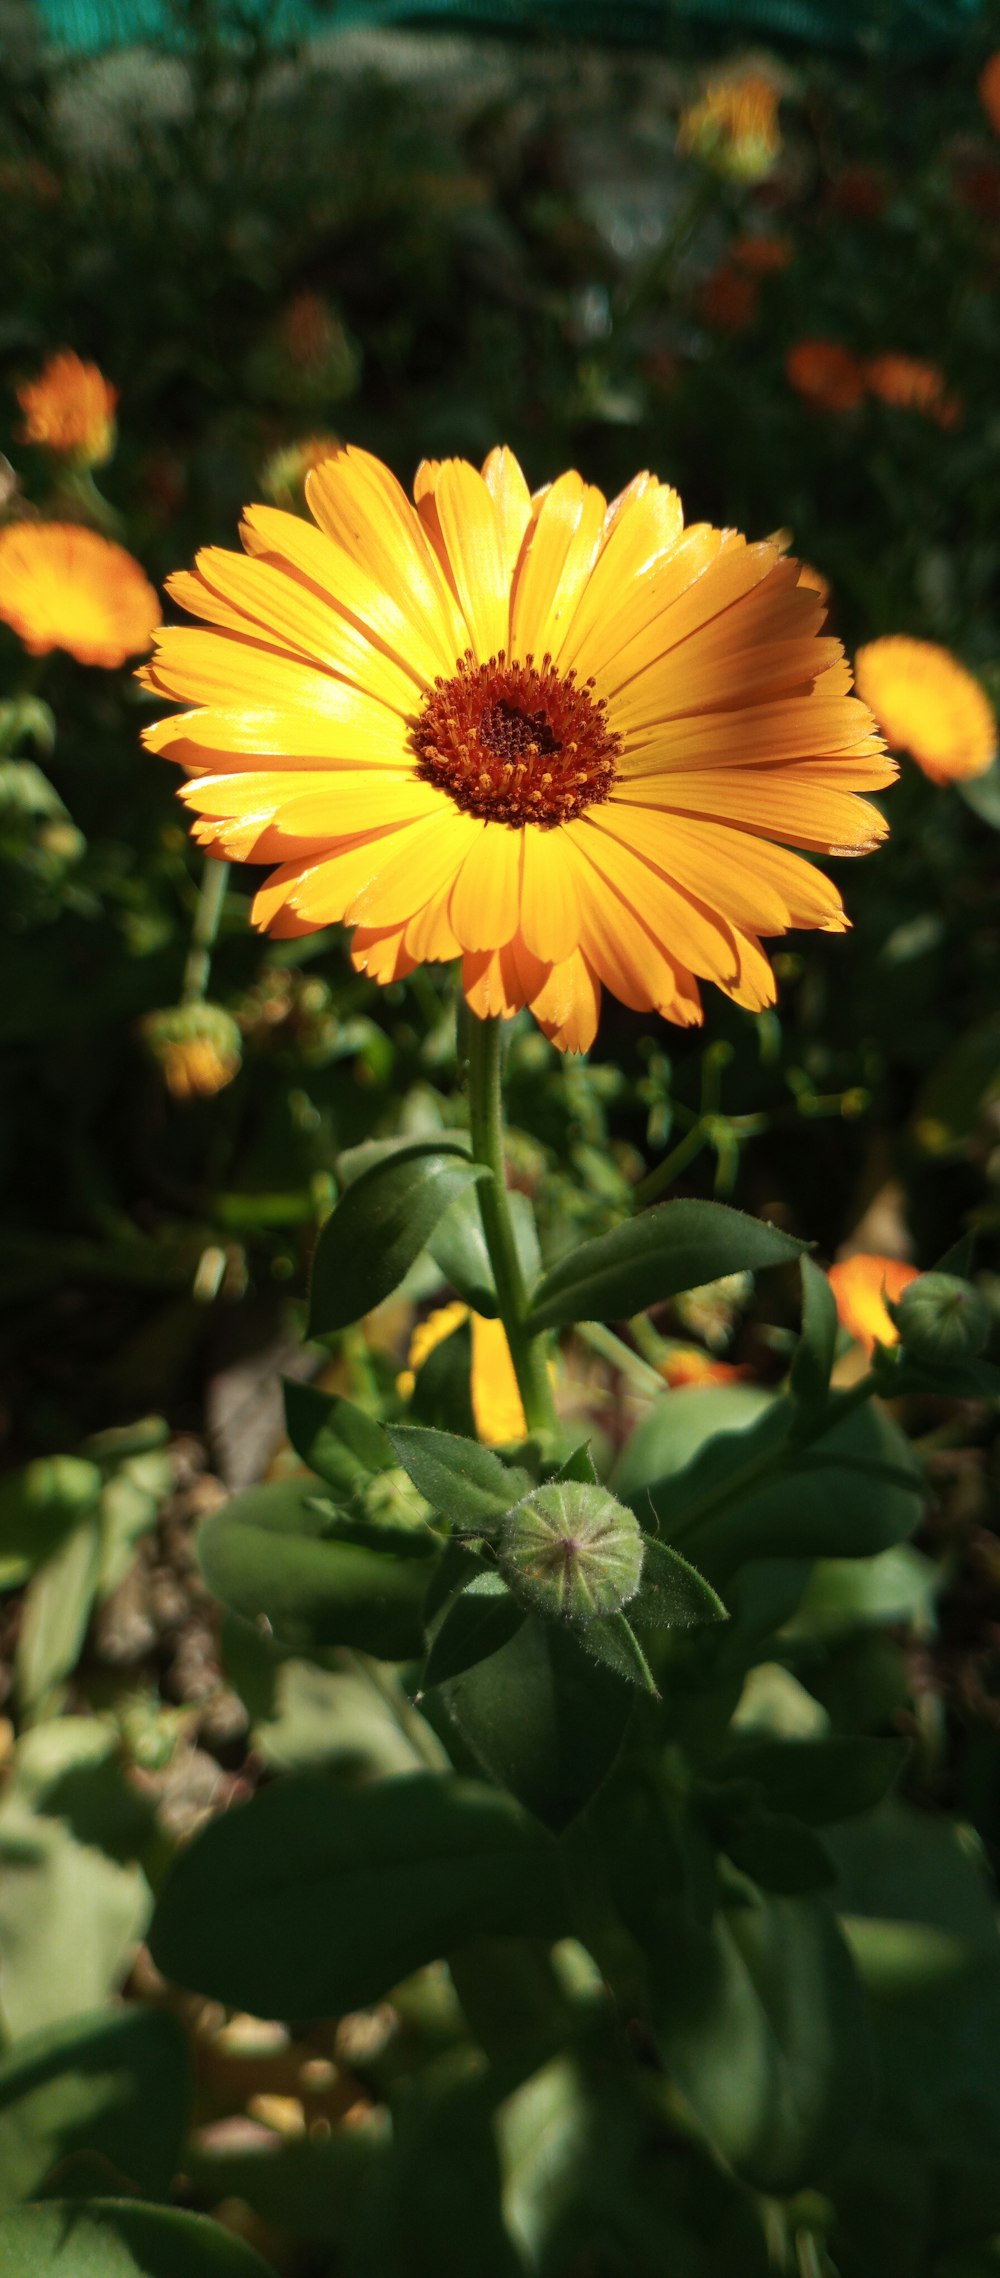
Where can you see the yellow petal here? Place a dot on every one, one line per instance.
(800, 727)
(555, 565)
(486, 893)
(284, 608)
(353, 585)
(359, 504)
(490, 984)
(778, 801)
(430, 935)
(685, 928)
(424, 859)
(568, 1005)
(550, 901)
(509, 492)
(461, 518)
(383, 956)
(640, 570)
(350, 733)
(496, 1402)
(755, 885)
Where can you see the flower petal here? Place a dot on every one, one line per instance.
(554, 566)
(361, 506)
(486, 894)
(550, 901)
(461, 519)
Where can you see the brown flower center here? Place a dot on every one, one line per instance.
(516, 743)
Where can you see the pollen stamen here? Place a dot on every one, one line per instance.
(515, 743)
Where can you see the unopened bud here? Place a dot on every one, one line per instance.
(942, 1320)
(197, 1046)
(569, 1549)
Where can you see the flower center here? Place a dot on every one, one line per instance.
(516, 743)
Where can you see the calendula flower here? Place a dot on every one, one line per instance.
(860, 1286)
(688, 1365)
(826, 374)
(70, 409)
(989, 90)
(910, 384)
(762, 256)
(496, 1402)
(926, 703)
(553, 738)
(63, 587)
(734, 127)
(197, 1048)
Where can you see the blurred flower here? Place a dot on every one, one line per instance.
(293, 1011)
(70, 409)
(496, 1401)
(989, 90)
(283, 478)
(762, 256)
(826, 374)
(977, 183)
(371, 699)
(197, 1047)
(308, 357)
(860, 1286)
(63, 587)
(687, 1365)
(727, 300)
(734, 127)
(910, 384)
(928, 704)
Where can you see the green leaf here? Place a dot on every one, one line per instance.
(542, 1720)
(809, 1382)
(268, 1556)
(312, 1899)
(673, 1595)
(464, 1483)
(820, 1781)
(458, 1247)
(674, 1246)
(478, 1620)
(39, 1506)
(118, 2238)
(610, 1640)
(102, 2098)
(780, 1854)
(57, 1608)
(579, 1465)
(72, 1908)
(335, 1439)
(379, 1226)
(763, 2030)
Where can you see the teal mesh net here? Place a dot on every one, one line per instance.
(894, 27)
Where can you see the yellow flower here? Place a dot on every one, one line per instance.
(826, 374)
(989, 90)
(196, 1047)
(553, 737)
(926, 703)
(910, 384)
(70, 409)
(63, 587)
(860, 1286)
(496, 1401)
(734, 127)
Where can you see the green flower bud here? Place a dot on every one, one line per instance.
(197, 1047)
(942, 1320)
(569, 1549)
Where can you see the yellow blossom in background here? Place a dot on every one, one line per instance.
(734, 127)
(928, 704)
(197, 1048)
(910, 384)
(555, 738)
(283, 479)
(70, 409)
(989, 90)
(63, 587)
(496, 1402)
(860, 1286)
(826, 374)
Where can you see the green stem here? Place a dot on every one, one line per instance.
(656, 1182)
(482, 1046)
(759, 1468)
(621, 1356)
(211, 896)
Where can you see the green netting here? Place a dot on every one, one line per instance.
(895, 27)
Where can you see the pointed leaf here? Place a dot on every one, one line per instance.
(810, 1377)
(335, 1439)
(465, 1483)
(780, 1854)
(579, 1465)
(674, 1246)
(111, 2088)
(314, 1899)
(821, 1781)
(610, 1640)
(673, 1595)
(542, 1720)
(379, 1226)
(267, 1555)
(120, 2238)
(478, 1621)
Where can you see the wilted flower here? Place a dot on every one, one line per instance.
(552, 737)
(497, 1410)
(63, 587)
(70, 409)
(910, 384)
(928, 704)
(734, 127)
(826, 374)
(860, 1286)
(196, 1046)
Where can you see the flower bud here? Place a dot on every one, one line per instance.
(942, 1320)
(197, 1047)
(569, 1549)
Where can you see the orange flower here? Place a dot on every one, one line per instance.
(826, 374)
(553, 737)
(989, 90)
(728, 300)
(62, 587)
(687, 1365)
(734, 127)
(860, 1285)
(815, 581)
(926, 703)
(70, 409)
(496, 1402)
(762, 256)
(910, 384)
(197, 1048)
